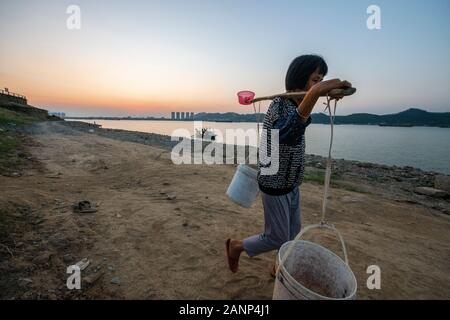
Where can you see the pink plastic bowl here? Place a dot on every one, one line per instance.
(246, 97)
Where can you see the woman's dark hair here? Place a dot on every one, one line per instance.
(301, 69)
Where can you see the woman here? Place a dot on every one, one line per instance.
(280, 191)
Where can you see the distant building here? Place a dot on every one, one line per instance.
(61, 115)
(182, 115)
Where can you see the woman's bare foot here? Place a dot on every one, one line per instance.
(234, 249)
(273, 271)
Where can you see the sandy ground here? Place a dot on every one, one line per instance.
(174, 249)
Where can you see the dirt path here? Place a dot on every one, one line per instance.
(157, 248)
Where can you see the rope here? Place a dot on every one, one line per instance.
(323, 223)
(258, 119)
(328, 169)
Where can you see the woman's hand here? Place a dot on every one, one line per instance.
(322, 88)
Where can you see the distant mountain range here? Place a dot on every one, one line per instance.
(407, 118)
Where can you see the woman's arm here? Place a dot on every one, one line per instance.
(319, 89)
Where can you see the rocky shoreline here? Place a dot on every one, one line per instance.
(404, 184)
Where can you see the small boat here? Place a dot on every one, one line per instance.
(205, 134)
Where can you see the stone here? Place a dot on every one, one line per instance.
(52, 296)
(37, 221)
(67, 258)
(42, 258)
(171, 196)
(348, 199)
(431, 192)
(83, 264)
(442, 182)
(92, 278)
(83, 207)
(319, 165)
(115, 280)
(26, 281)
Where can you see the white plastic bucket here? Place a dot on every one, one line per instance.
(244, 188)
(312, 272)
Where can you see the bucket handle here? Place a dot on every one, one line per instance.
(322, 225)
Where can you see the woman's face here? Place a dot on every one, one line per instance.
(314, 78)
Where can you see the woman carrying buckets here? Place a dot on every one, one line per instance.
(280, 191)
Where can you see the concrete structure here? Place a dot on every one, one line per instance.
(173, 116)
(182, 116)
(6, 96)
(178, 116)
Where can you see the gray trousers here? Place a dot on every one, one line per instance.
(282, 223)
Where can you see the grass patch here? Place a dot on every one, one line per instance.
(336, 181)
(319, 177)
(11, 152)
(12, 143)
(8, 117)
(5, 224)
(8, 142)
(347, 186)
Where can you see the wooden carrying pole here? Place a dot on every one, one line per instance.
(301, 94)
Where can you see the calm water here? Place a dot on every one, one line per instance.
(420, 147)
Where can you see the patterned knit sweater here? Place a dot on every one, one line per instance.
(283, 115)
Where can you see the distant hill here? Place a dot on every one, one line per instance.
(410, 117)
(407, 118)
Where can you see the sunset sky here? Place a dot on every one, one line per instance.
(153, 57)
